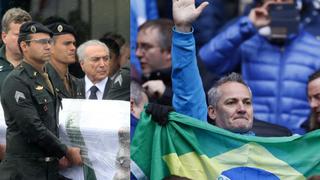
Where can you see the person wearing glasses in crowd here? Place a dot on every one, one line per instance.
(154, 53)
(31, 104)
(93, 57)
(63, 53)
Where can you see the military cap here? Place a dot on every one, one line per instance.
(61, 28)
(32, 27)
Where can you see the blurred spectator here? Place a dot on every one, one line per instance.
(314, 101)
(276, 69)
(63, 53)
(311, 17)
(116, 37)
(94, 56)
(10, 54)
(124, 54)
(138, 98)
(140, 11)
(154, 53)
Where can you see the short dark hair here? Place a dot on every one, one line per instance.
(314, 76)
(164, 27)
(112, 45)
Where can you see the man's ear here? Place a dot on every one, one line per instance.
(212, 112)
(23, 45)
(3, 37)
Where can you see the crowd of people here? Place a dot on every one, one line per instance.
(275, 93)
(275, 69)
(34, 77)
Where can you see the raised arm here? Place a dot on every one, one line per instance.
(189, 96)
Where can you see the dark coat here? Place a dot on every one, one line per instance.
(58, 83)
(120, 85)
(31, 114)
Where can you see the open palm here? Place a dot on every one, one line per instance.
(184, 11)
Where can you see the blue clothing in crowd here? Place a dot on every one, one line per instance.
(188, 94)
(276, 75)
(139, 9)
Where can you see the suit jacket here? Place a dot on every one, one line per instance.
(81, 90)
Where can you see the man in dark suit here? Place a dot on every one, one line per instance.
(93, 57)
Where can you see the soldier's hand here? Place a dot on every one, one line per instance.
(184, 13)
(2, 151)
(73, 155)
(64, 163)
(260, 16)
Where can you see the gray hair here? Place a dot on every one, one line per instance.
(81, 49)
(136, 92)
(213, 93)
(14, 15)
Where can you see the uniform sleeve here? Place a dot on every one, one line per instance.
(17, 102)
(120, 88)
(222, 54)
(188, 93)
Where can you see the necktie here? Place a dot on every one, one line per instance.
(93, 91)
(46, 79)
(66, 84)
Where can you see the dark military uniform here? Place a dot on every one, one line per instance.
(5, 66)
(31, 114)
(120, 85)
(58, 83)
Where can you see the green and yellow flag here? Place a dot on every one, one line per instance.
(190, 148)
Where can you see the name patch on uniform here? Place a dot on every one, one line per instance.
(19, 95)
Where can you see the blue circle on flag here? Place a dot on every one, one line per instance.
(247, 173)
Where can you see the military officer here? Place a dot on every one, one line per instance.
(63, 53)
(31, 106)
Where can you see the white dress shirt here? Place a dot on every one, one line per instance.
(100, 85)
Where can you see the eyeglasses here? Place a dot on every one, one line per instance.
(41, 41)
(144, 47)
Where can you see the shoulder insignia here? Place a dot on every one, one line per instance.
(1, 68)
(39, 88)
(19, 95)
(118, 79)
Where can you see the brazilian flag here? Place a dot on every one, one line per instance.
(190, 148)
